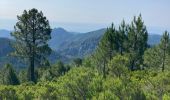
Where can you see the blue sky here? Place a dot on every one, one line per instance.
(87, 15)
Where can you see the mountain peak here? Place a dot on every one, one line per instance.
(60, 29)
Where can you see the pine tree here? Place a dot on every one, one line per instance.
(164, 45)
(152, 57)
(122, 38)
(137, 42)
(9, 75)
(32, 32)
(105, 50)
(61, 68)
(22, 76)
(77, 62)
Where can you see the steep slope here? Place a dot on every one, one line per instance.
(80, 45)
(71, 45)
(58, 36)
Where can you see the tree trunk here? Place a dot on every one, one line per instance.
(32, 58)
(163, 65)
(132, 65)
(32, 70)
(31, 76)
(104, 70)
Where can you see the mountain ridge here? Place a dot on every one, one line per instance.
(69, 45)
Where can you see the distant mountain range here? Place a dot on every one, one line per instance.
(66, 45)
(73, 45)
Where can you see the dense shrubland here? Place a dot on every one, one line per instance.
(123, 67)
(86, 83)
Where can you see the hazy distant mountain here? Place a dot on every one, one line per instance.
(154, 39)
(58, 36)
(5, 34)
(66, 45)
(5, 47)
(78, 45)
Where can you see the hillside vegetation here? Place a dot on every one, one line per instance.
(123, 66)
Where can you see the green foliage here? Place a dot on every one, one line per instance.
(60, 68)
(89, 62)
(77, 62)
(8, 93)
(158, 57)
(153, 59)
(151, 53)
(22, 76)
(118, 66)
(77, 83)
(128, 40)
(105, 50)
(86, 83)
(9, 76)
(48, 73)
(121, 38)
(46, 76)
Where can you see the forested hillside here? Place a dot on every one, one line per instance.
(114, 64)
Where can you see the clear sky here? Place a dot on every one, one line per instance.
(87, 15)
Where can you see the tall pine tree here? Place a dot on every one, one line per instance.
(32, 32)
(122, 38)
(164, 45)
(137, 42)
(105, 50)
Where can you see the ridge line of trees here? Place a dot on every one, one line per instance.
(129, 40)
